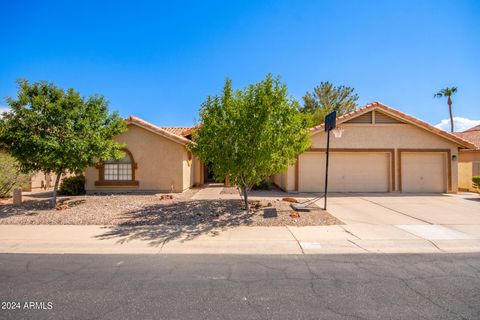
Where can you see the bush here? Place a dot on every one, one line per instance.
(10, 176)
(72, 186)
(263, 185)
(476, 182)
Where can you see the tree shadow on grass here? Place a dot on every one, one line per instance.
(183, 221)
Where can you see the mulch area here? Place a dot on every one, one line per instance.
(157, 209)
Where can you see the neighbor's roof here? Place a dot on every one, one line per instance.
(472, 135)
(402, 116)
(174, 134)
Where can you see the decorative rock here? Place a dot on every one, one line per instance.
(294, 215)
(288, 199)
(299, 207)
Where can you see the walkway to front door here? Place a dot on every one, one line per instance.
(209, 191)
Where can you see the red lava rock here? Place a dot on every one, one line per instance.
(294, 215)
(290, 200)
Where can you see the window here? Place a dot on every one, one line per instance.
(117, 172)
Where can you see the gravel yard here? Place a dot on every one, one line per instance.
(144, 210)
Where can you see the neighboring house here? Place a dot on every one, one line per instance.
(381, 150)
(41, 181)
(469, 159)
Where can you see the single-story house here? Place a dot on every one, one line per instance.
(156, 159)
(469, 159)
(381, 150)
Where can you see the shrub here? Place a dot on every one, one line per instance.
(10, 176)
(72, 186)
(263, 185)
(476, 182)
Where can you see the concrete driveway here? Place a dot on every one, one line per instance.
(403, 208)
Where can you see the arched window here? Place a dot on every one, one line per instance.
(118, 172)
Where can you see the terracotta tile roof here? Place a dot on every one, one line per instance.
(165, 132)
(179, 131)
(402, 116)
(472, 135)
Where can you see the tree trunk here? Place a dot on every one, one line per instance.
(451, 114)
(245, 199)
(55, 188)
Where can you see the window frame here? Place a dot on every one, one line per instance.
(101, 174)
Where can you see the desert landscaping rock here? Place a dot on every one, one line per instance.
(171, 210)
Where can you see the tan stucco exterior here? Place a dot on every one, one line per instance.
(394, 140)
(163, 165)
(469, 166)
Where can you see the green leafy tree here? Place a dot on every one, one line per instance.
(10, 175)
(447, 92)
(250, 134)
(326, 98)
(52, 130)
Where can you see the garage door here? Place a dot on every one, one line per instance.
(423, 172)
(349, 172)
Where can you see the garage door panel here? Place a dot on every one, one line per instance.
(348, 172)
(423, 172)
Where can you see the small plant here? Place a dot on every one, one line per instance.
(476, 182)
(72, 186)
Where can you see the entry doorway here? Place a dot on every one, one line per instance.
(208, 174)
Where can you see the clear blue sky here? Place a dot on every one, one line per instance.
(159, 60)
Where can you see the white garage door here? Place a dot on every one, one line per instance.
(349, 172)
(424, 172)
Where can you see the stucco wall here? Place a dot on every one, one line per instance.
(197, 171)
(469, 166)
(465, 176)
(160, 162)
(188, 171)
(384, 136)
(469, 156)
(286, 180)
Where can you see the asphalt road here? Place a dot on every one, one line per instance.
(240, 287)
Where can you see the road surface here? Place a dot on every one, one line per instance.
(432, 286)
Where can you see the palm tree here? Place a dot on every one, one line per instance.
(447, 92)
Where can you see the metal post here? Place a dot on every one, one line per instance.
(326, 170)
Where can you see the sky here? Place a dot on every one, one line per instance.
(159, 60)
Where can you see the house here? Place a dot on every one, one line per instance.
(469, 159)
(381, 150)
(156, 160)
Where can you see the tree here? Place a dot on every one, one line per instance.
(52, 130)
(10, 175)
(250, 134)
(326, 98)
(447, 92)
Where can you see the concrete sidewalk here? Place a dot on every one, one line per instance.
(353, 238)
